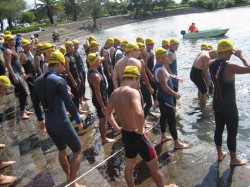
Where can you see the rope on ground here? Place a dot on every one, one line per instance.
(101, 163)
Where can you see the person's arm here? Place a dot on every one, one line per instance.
(163, 81)
(206, 62)
(112, 51)
(146, 58)
(7, 58)
(107, 111)
(135, 103)
(145, 77)
(95, 81)
(69, 104)
(69, 75)
(115, 76)
(37, 63)
(37, 108)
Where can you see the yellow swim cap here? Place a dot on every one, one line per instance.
(210, 46)
(140, 39)
(160, 52)
(75, 41)
(165, 42)
(68, 43)
(174, 41)
(131, 46)
(141, 45)
(62, 49)
(56, 57)
(4, 81)
(91, 38)
(124, 42)
(110, 40)
(47, 47)
(8, 37)
(39, 46)
(25, 42)
(131, 71)
(93, 44)
(224, 45)
(149, 41)
(91, 59)
(117, 39)
(7, 32)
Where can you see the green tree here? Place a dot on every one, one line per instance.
(96, 10)
(51, 7)
(10, 9)
(27, 17)
(72, 8)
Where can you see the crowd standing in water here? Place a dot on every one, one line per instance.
(123, 76)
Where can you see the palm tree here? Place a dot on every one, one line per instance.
(51, 7)
(72, 7)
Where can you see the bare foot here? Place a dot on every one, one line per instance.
(165, 138)
(221, 155)
(6, 164)
(5, 180)
(78, 185)
(171, 185)
(28, 112)
(179, 145)
(108, 131)
(2, 146)
(238, 162)
(107, 140)
(25, 116)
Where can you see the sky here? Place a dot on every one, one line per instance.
(32, 2)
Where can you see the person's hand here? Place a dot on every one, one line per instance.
(75, 84)
(177, 96)
(179, 79)
(16, 80)
(237, 53)
(80, 128)
(42, 126)
(151, 90)
(29, 75)
(139, 131)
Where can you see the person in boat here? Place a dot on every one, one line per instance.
(192, 28)
(224, 99)
(126, 100)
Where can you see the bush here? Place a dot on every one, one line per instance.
(25, 29)
(230, 3)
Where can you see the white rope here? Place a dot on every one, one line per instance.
(100, 163)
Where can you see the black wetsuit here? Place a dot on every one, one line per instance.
(2, 68)
(224, 105)
(150, 64)
(20, 87)
(29, 67)
(103, 91)
(51, 91)
(146, 96)
(196, 75)
(74, 72)
(81, 72)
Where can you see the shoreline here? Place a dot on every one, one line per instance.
(76, 30)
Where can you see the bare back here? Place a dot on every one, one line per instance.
(202, 60)
(127, 104)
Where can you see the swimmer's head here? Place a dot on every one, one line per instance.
(131, 46)
(160, 52)
(140, 39)
(131, 71)
(57, 57)
(224, 45)
(92, 59)
(4, 82)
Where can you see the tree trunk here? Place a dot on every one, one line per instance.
(10, 23)
(94, 23)
(1, 22)
(50, 15)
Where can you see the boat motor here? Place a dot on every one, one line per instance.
(183, 32)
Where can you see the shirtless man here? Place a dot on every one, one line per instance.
(199, 73)
(126, 101)
(132, 53)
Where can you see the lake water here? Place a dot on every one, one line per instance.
(195, 125)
